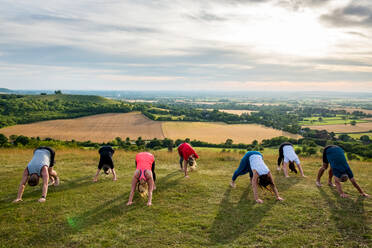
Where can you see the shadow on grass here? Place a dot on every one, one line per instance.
(349, 217)
(35, 192)
(104, 212)
(234, 219)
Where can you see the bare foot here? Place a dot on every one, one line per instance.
(42, 199)
(56, 183)
(187, 176)
(232, 184)
(318, 184)
(17, 200)
(280, 199)
(278, 168)
(343, 195)
(331, 184)
(129, 203)
(259, 201)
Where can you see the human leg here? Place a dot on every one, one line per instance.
(320, 174)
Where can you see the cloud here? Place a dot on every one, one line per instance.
(356, 14)
(131, 78)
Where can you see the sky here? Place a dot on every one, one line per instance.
(208, 45)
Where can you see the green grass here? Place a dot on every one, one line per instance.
(201, 211)
(358, 135)
(314, 121)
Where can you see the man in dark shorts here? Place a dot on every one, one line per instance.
(105, 162)
(334, 155)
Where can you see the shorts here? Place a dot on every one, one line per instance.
(297, 161)
(105, 161)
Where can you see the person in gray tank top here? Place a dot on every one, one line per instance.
(41, 165)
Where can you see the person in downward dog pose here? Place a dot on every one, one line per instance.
(41, 165)
(144, 177)
(105, 162)
(253, 163)
(334, 155)
(289, 157)
(187, 157)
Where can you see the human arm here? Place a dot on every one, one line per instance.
(273, 187)
(22, 186)
(95, 179)
(45, 176)
(134, 183)
(254, 187)
(352, 180)
(151, 189)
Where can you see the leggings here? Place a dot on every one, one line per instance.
(242, 170)
(181, 161)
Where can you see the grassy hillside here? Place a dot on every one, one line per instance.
(202, 211)
(20, 109)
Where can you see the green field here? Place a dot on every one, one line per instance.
(201, 211)
(328, 121)
(358, 135)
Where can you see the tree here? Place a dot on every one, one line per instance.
(3, 139)
(140, 141)
(22, 140)
(344, 137)
(228, 142)
(58, 92)
(298, 150)
(311, 151)
(365, 139)
(353, 123)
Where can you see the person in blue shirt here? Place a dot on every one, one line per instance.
(253, 163)
(334, 155)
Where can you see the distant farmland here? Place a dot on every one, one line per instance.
(218, 132)
(106, 127)
(96, 128)
(342, 128)
(237, 112)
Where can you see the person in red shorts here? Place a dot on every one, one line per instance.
(187, 156)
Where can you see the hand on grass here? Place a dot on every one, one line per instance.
(149, 204)
(365, 195)
(95, 180)
(259, 201)
(129, 203)
(280, 199)
(42, 199)
(17, 200)
(114, 179)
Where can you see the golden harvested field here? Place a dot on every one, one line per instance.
(216, 132)
(96, 128)
(236, 112)
(342, 128)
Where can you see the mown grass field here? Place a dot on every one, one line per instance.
(201, 211)
(314, 121)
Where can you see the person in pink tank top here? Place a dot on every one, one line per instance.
(187, 156)
(144, 177)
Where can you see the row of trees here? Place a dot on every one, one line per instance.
(305, 146)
